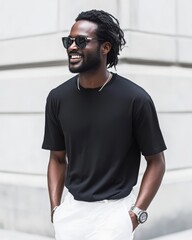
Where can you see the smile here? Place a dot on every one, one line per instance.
(75, 57)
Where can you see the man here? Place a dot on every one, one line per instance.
(97, 126)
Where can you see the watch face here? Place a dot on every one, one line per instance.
(143, 217)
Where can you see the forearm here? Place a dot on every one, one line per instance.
(151, 180)
(56, 179)
(150, 183)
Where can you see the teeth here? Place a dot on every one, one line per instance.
(75, 56)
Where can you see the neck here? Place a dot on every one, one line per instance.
(103, 85)
(94, 79)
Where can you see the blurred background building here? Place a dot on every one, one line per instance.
(158, 57)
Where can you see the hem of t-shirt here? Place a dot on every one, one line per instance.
(155, 151)
(121, 195)
(46, 147)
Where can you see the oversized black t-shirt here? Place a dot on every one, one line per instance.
(104, 134)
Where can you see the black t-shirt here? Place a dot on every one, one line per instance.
(103, 134)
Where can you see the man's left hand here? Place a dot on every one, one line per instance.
(134, 220)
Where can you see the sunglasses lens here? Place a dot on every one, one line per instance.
(67, 42)
(80, 41)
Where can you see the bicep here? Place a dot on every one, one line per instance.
(156, 160)
(59, 156)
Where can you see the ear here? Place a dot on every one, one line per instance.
(105, 48)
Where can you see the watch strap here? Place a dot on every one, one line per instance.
(141, 214)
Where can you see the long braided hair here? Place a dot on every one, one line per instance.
(108, 31)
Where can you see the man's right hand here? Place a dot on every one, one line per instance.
(52, 213)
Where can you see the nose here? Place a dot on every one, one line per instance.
(73, 45)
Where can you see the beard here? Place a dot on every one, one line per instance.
(91, 62)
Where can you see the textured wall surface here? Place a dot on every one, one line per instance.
(32, 61)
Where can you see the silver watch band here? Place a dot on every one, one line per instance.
(141, 214)
(136, 210)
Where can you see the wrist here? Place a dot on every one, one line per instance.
(141, 215)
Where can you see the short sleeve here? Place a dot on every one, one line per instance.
(53, 135)
(146, 127)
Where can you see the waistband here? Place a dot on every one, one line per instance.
(130, 198)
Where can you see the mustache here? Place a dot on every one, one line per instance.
(74, 51)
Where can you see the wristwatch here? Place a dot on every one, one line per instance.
(141, 214)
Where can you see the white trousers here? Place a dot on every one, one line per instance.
(101, 220)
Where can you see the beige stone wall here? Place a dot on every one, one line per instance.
(32, 61)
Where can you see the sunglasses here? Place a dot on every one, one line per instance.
(80, 41)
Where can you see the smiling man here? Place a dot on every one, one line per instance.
(97, 126)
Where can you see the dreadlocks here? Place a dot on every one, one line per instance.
(108, 31)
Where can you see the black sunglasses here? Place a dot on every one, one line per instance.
(80, 41)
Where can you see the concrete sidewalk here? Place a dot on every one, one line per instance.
(185, 235)
(14, 235)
